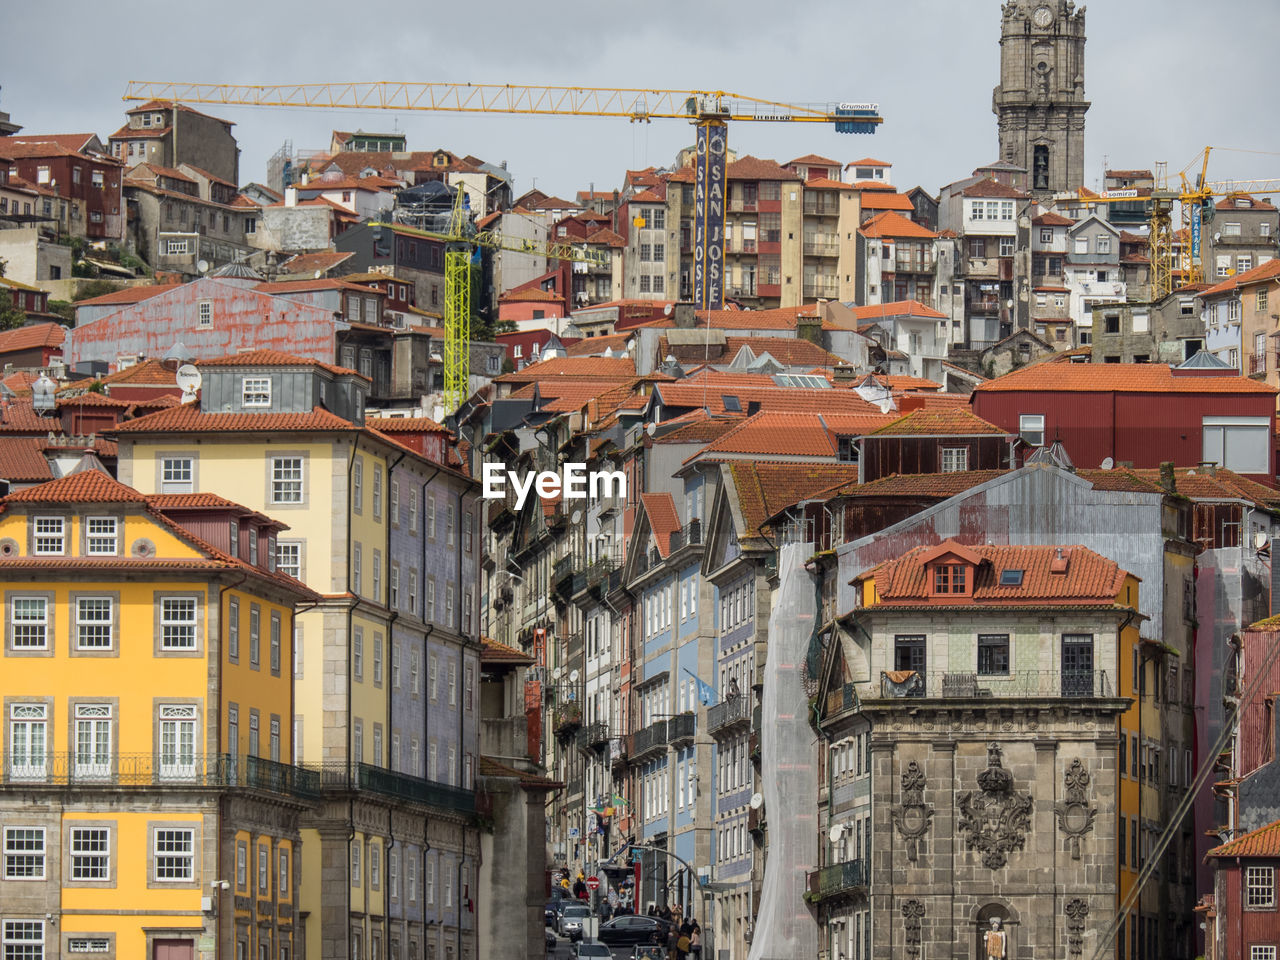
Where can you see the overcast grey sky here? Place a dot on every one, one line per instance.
(1166, 77)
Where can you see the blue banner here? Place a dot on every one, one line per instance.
(1195, 232)
(708, 222)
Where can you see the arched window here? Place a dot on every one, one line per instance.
(1040, 167)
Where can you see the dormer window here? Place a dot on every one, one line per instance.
(235, 538)
(253, 546)
(49, 536)
(950, 578)
(256, 392)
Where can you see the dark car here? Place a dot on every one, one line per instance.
(630, 930)
(551, 912)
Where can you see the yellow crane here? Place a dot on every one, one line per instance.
(710, 110)
(460, 239)
(1194, 198)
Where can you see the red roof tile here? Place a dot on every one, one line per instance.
(789, 351)
(1230, 202)
(586, 368)
(993, 188)
(274, 358)
(1261, 273)
(753, 168)
(1263, 842)
(936, 486)
(21, 460)
(696, 426)
(606, 237)
(890, 224)
(646, 196)
(777, 399)
(898, 308)
(1051, 219)
(663, 518)
(868, 162)
(532, 295)
(18, 416)
(492, 768)
(886, 200)
(1089, 578)
(188, 418)
(87, 486)
(32, 335)
(766, 489)
(406, 425)
(491, 651)
(825, 183)
(1118, 377)
(594, 346)
(815, 160)
(128, 295)
(310, 263)
(943, 423)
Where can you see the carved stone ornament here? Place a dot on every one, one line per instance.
(1075, 815)
(912, 912)
(912, 817)
(1076, 910)
(995, 821)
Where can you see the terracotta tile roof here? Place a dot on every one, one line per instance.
(243, 201)
(904, 382)
(1261, 273)
(1263, 842)
(155, 168)
(18, 416)
(789, 351)
(646, 196)
(1130, 174)
(275, 358)
(825, 183)
(374, 184)
(128, 295)
(593, 346)
(886, 200)
(606, 237)
(87, 486)
(696, 426)
(191, 501)
(72, 141)
(19, 382)
(1118, 377)
(285, 287)
(532, 295)
(309, 263)
(1089, 578)
(753, 168)
(776, 399)
(890, 224)
(406, 425)
(491, 651)
(868, 162)
(21, 460)
(935, 486)
(993, 188)
(939, 423)
(32, 335)
(489, 767)
(188, 418)
(813, 158)
(148, 133)
(26, 148)
(1229, 202)
(898, 308)
(775, 435)
(1196, 484)
(663, 518)
(685, 174)
(91, 399)
(576, 395)
(777, 318)
(766, 489)
(1051, 219)
(146, 373)
(586, 368)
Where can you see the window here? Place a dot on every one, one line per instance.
(1031, 429)
(90, 853)
(289, 558)
(177, 740)
(23, 940)
(377, 659)
(1046, 235)
(357, 567)
(1244, 263)
(909, 653)
(93, 623)
(102, 537)
(377, 492)
(274, 743)
(49, 535)
(255, 634)
(282, 888)
(176, 247)
(206, 313)
(275, 643)
(949, 578)
(29, 617)
(431, 517)
(24, 853)
(176, 474)
(355, 863)
(264, 870)
(286, 480)
(1262, 952)
(955, 459)
(175, 853)
(375, 866)
(93, 740)
(177, 623)
(255, 734)
(1259, 883)
(1102, 244)
(1237, 443)
(993, 654)
(1006, 246)
(413, 590)
(413, 511)
(357, 654)
(1261, 298)
(28, 730)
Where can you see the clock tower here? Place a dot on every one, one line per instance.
(1039, 103)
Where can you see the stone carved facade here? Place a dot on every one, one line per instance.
(912, 914)
(1076, 910)
(996, 820)
(1075, 815)
(912, 817)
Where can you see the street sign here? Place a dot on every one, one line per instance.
(593, 882)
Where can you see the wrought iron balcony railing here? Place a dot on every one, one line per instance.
(652, 739)
(1020, 684)
(837, 879)
(682, 727)
(728, 714)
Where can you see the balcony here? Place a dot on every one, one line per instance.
(821, 248)
(652, 740)
(1258, 365)
(565, 719)
(821, 205)
(504, 736)
(913, 265)
(593, 736)
(681, 729)
(728, 715)
(690, 535)
(821, 287)
(844, 700)
(404, 787)
(1025, 684)
(159, 770)
(836, 880)
(619, 754)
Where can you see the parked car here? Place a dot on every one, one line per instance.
(648, 952)
(594, 949)
(630, 930)
(551, 912)
(571, 918)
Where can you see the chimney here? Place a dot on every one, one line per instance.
(1209, 468)
(809, 328)
(290, 196)
(843, 373)
(1167, 477)
(684, 316)
(1060, 562)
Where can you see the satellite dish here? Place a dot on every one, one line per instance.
(573, 676)
(756, 801)
(835, 833)
(1259, 540)
(666, 311)
(650, 428)
(203, 266)
(188, 378)
(575, 517)
(555, 674)
(1108, 464)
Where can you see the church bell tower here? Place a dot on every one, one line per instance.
(1039, 103)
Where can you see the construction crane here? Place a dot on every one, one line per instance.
(1195, 200)
(710, 110)
(461, 240)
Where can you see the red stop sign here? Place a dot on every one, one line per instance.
(593, 882)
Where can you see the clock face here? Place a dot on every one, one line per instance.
(1042, 17)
